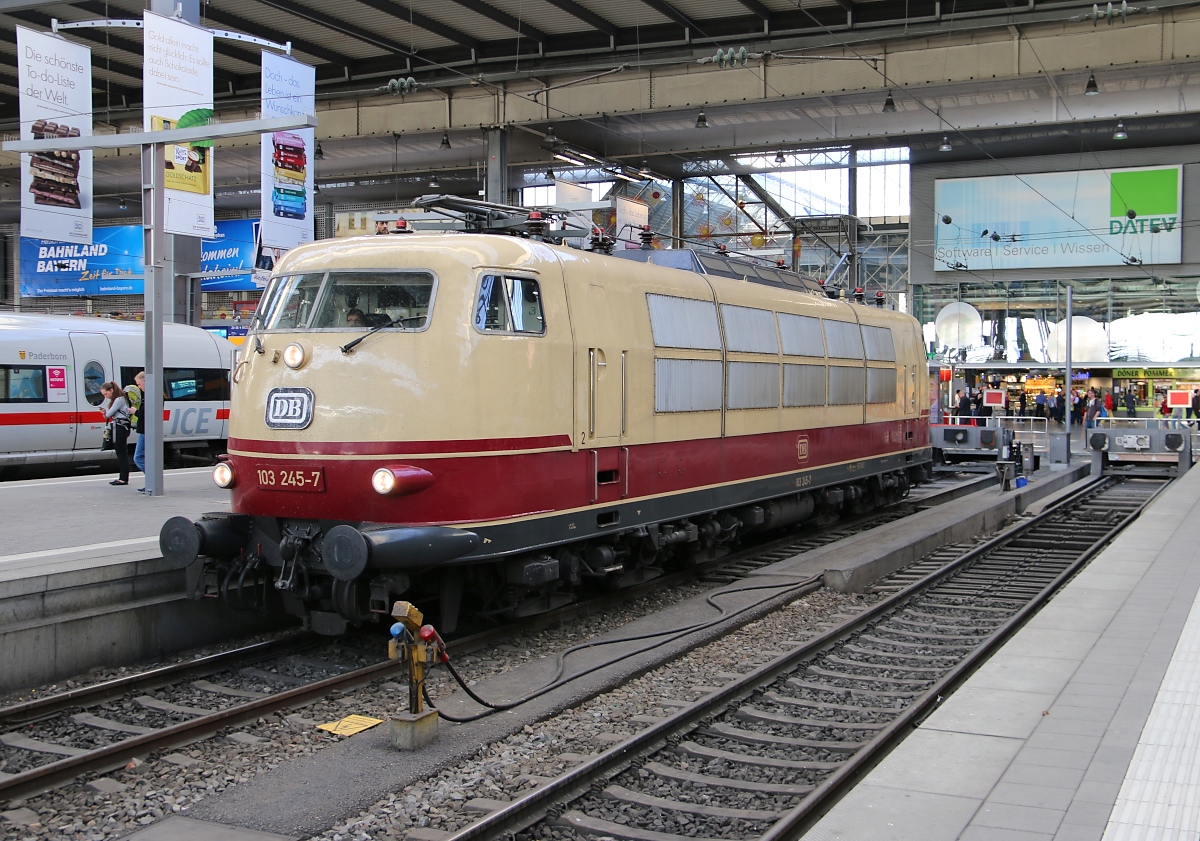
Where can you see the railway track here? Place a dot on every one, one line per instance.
(53, 740)
(764, 755)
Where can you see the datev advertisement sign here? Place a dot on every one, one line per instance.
(55, 101)
(1097, 217)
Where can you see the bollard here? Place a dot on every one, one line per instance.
(1005, 471)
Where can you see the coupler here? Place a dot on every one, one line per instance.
(420, 648)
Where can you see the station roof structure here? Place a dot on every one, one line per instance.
(628, 81)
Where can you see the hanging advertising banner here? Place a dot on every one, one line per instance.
(114, 264)
(111, 265)
(177, 93)
(288, 90)
(1095, 217)
(55, 100)
(233, 250)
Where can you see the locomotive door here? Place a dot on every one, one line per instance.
(602, 359)
(600, 376)
(92, 368)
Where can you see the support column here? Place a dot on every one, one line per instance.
(153, 221)
(495, 145)
(677, 188)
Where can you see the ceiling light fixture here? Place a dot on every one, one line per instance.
(1120, 134)
(568, 159)
(889, 104)
(1092, 88)
(433, 182)
(779, 158)
(645, 170)
(445, 141)
(701, 120)
(320, 153)
(550, 174)
(946, 147)
(551, 138)
(122, 205)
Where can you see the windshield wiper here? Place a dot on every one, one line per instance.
(349, 346)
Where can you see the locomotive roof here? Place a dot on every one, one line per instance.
(487, 249)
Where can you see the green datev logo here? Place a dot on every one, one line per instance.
(1152, 195)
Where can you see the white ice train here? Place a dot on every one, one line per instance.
(51, 370)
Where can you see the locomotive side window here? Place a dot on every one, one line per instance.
(687, 385)
(23, 384)
(847, 386)
(683, 323)
(801, 336)
(749, 330)
(753, 385)
(881, 385)
(843, 339)
(362, 300)
(803, 385)
(878, 343)
(509, 305)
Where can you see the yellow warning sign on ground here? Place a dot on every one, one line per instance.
(350, 725)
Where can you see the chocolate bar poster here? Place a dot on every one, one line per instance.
(288, 90)
(55, 101)
(177, 77)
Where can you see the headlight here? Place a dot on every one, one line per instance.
(293, 355)
(383, 481)
(223, 475)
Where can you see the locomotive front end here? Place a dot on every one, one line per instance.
(329, 512)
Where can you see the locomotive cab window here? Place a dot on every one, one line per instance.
(509, 305)
(292, 303)
(365, 300)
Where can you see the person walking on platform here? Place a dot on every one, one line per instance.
(1094, 405)
(1021, 402)
(1130, 404)
(964, 405)
(1039, 405)
(139, 423)
(116, 411)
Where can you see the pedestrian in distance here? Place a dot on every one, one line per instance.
(1094, 405)
(115, 409)
(1021, 403)
(963, 410)
(137, 400)
(1130, 404)
(1039, 405)
(1196, 403)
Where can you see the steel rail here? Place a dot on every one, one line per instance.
(115, 755)
(535, 806)
(112, 756)
(98, 693)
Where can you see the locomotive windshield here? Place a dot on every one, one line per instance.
(348, 301)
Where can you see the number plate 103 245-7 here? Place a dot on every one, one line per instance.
(291, 478)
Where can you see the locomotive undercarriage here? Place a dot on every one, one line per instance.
(319, 572)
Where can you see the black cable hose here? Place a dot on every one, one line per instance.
(558, 680)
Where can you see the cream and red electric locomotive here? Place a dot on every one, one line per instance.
(500, 420)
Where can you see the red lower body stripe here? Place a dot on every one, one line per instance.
(489, 486)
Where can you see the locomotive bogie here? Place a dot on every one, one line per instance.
(524, 421)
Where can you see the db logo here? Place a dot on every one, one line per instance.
(802, 448)
(21, 354)
(289, 408)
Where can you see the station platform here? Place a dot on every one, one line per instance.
(1085, 726)
(83, 583)
(59, 525)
